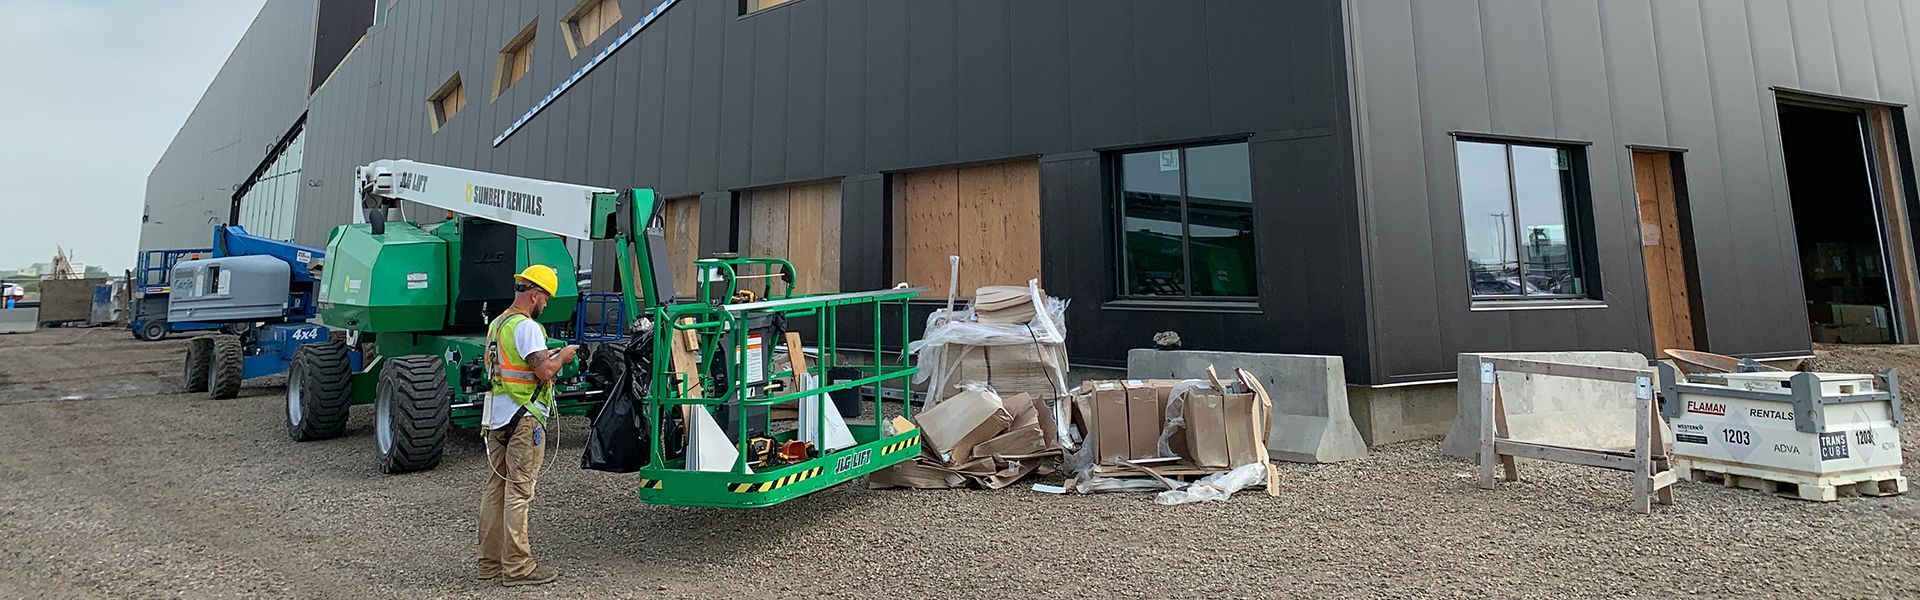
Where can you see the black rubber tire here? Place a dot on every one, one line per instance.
(319, 390)
(198, 364)
(412, 405)
(224, 380)
(153, 332)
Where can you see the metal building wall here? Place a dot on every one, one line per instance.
(1692, 74)
(257, 95)
(707, 102)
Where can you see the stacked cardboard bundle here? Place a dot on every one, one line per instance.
(975, 437)
(1004, 304)
(1006, 341)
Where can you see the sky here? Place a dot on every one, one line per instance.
(91, 92)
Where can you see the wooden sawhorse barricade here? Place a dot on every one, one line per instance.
(1653, 475)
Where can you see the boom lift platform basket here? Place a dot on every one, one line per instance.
(710, 332)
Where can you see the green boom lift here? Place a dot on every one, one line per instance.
(416, 300)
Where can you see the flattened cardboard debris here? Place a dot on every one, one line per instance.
(1012, 473)
(951, 428)
(1021, 440)
(912, 474)
(1021, 407)
(1144, 419)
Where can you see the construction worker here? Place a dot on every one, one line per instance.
(515, 422)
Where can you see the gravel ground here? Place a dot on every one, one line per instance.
(120, 486)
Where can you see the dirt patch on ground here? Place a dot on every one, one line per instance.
(163, 494)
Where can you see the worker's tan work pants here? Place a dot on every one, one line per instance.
(513, 464)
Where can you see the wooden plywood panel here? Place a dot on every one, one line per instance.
(828, 277)
(1664, 252)
(1019, 258)
(683, 240)
(931, 231)
(982, 232)
(1000, 224)
(1893, 202)
(803, 237)
(767, 233)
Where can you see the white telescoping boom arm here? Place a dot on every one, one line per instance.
(562, 209)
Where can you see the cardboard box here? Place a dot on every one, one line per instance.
(1110, 423)
(1241, 446)
(1859, 314)
(1206, 411)
(951, 428)
(1143, 420)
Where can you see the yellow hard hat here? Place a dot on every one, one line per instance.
(541, 276)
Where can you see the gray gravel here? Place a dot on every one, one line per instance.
(154, 493)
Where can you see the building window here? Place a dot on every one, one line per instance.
(1186, 222)
(752, 6)
(514, 61)
(586, 22)
(270, 203)
(447, 101)
(1520, 205)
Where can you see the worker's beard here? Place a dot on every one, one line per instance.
(536, 310)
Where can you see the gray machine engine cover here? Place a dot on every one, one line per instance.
(232, 288)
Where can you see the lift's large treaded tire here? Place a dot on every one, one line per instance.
(411, 420)
(224, 381)
(199, 362)
(319, 381)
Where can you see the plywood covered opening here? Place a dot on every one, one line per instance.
(1856, 252)
(988, 215)
(800, 223)
(681, 220)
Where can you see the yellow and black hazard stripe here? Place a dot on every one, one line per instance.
(898, 446)
(765, 486)
(651, 484)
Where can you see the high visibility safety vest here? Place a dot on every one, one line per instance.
(511, 375)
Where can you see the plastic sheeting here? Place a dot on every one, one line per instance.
(951, 336)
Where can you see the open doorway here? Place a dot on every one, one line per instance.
(1840, 222)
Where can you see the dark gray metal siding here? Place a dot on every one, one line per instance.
(1692, 74)
(258, 94)
(706, 101)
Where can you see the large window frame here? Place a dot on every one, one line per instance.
(1116, 193)
(1576, 209)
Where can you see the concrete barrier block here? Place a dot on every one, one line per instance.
(1551, 410)
(1390, 415)
(19, 320)
(1311, 422)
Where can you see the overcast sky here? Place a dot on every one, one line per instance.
(91, 92)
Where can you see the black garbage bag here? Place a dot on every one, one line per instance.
(618, 442)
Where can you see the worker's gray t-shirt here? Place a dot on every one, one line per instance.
(528, 338)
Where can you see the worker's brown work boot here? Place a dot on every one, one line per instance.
(539, 575)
